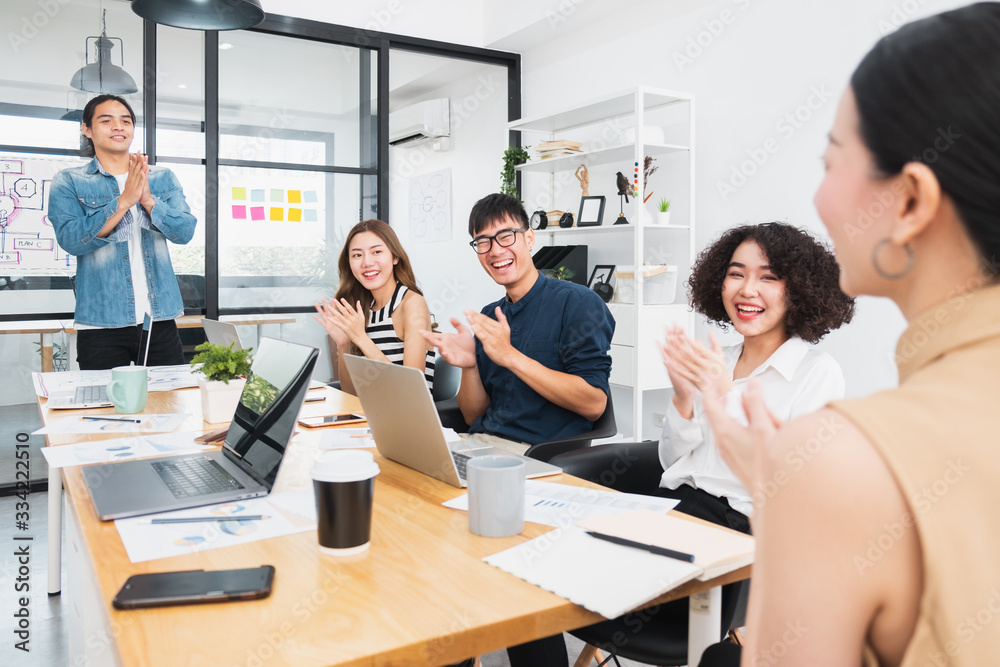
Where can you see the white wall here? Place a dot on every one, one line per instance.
(753, 66)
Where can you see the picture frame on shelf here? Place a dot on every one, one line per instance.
(602, 273)
(591, 212)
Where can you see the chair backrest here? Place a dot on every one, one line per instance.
(629, 467)
(604, 427)
(446, 379)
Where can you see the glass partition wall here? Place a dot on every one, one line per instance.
(274, 134)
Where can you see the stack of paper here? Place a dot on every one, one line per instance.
(547, 149)
(612, 579)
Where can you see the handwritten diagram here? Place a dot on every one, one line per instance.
(27, 241)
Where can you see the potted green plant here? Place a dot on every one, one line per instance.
(512, 157)
(223, 372)
(663, 206)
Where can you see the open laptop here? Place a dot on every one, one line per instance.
(406, 427)
(247, 465)
(93, 395)
(222, 333)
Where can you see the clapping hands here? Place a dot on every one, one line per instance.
(691, 365)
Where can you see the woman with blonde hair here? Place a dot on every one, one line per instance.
(378, 310)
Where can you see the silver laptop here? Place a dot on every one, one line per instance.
(93, 395)
(406, 427)
(222, 333)
(247, 464)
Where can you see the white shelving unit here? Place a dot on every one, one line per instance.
(603, 125)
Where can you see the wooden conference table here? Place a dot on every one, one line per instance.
(45, 329)
(420, 595)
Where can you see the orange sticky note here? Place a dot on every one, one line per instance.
(277, 214)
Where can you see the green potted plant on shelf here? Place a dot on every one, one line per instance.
(663, 216)
(512, 157)
(223, 372)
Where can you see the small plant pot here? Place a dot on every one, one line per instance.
(663, 218)
(219, 400)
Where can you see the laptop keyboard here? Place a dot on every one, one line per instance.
(460, 461)
(91, 393)
(195, 477)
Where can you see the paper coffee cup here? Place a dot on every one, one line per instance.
(344, 487)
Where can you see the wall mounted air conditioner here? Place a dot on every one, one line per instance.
(415, 124)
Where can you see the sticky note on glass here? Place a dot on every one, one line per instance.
(277, 195)
(295, 196)
(256, 195)
(295, 215)
(277, 214)
(256, 212)
(309, 197)
(310, 215)
(239, 212)
(239, 194)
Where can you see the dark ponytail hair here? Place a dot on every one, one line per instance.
(86, 145)
(930, 93)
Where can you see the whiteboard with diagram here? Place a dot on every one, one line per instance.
(27, 241)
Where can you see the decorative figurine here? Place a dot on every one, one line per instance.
(623, 191)
(583, 176)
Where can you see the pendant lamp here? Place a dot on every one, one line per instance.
(201, 14)
(103, 76)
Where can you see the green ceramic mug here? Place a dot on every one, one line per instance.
(127, 389)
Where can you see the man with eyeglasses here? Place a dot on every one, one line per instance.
(535, 364)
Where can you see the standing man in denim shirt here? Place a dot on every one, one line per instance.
(115, 215)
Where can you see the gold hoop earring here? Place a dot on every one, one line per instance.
(910, 259)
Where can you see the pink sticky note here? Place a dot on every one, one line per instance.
(239, 212)
(256, 212)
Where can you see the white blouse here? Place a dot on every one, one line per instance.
(796, 380)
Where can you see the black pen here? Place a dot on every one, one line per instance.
(662, 551)
(114, 419)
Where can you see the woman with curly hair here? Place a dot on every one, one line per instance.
(378, 310)
(778, 288)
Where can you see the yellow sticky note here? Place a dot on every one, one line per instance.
(277, 214)
(295, 196)
(295, 215)
(239, 194)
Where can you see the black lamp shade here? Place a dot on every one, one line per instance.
(201, 14)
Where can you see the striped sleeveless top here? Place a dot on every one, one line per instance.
(379, 329)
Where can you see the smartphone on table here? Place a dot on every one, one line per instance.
(163, 589)
(331, 420)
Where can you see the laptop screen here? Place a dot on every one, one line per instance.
(266, 415)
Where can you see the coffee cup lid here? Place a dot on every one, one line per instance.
(344, 465)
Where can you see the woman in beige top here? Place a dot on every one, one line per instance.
(903, 567)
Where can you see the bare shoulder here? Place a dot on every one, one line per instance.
(412, 312)
(826, 499)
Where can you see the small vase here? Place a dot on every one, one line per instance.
(663, 218)
(219, 400)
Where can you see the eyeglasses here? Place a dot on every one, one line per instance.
(504, 238)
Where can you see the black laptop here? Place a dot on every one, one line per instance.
(247, 464)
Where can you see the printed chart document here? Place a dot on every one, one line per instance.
(125, 424)
(612, 579)
(552, 504)
(122, 449)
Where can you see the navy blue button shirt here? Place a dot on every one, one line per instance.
(563, 326)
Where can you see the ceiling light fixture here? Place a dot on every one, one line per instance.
(201, 14)
(103, 76)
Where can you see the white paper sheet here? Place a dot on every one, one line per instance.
(147, 423)
(345, 438)
(122, 449)
(552, 504)
(147, 541)
(606, 578)
(161, 378)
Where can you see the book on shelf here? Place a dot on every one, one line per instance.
(612, 579)
(557, 144)
(559, 151)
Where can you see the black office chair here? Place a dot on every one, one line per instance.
(657, 635)
(604, 427)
